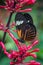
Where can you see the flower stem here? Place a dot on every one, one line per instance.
(4, 36)
(7, 26)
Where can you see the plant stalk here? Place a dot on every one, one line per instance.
(4, 36)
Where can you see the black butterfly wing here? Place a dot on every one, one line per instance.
(20, 17)
(29, 32)
(28, 18)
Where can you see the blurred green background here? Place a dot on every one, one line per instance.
(37, 15)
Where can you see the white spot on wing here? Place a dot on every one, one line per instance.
(19, 22)
(28, 21)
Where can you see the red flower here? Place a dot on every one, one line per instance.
(17, 57)
(32, 62)
(23, 51)
(16, 5)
